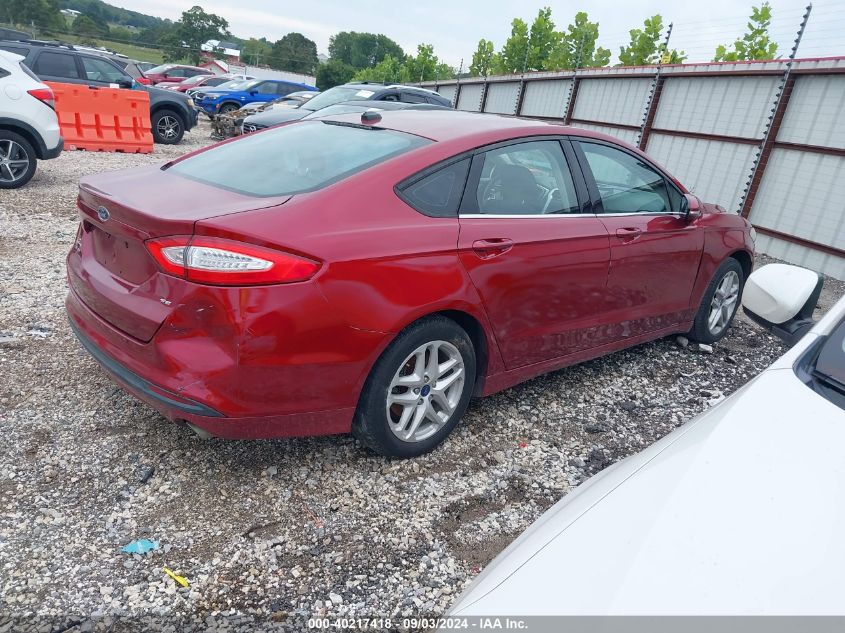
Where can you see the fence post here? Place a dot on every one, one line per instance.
(573, 96)
(654, 94)
(784, 91)
(484, 91)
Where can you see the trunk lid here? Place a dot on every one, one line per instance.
(111, 270)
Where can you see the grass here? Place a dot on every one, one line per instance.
(140, 53)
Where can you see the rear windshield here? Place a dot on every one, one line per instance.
(295, 158)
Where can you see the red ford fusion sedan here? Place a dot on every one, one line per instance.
(371, 273)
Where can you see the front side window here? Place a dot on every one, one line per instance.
(101, 70)
(438, 194)
(267, 88)
(294, 158)
(51, 64)
(626, 183)
(413, 97)
(526, 179)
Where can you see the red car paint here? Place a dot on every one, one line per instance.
(168, 75)
(291, 359)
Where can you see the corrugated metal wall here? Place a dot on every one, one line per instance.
(501, 98)
(707, 127)
(469, 98)
(612, 100)
(546, 98)
(448, 91)
(727, 106)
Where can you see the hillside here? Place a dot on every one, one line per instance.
(110, 14)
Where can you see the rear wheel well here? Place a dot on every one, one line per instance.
(475, 331)
(28, 135)
(744, 259)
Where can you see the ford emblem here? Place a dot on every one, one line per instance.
(103, 213)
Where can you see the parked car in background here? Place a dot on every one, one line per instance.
(171, 114)
(29, 128)
(231, 124)
(698, 523)
(271, 117)
(197, 81)
(372, 272)
(361, 92)
(197, 94)
(174, 73)
(222, 101)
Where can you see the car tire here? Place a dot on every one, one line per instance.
(227, 108)
(168, 127)
(719, 304)
(21, 155)
(401, 410)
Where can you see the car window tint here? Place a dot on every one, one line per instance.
(626, 183)
(439, 194)
(413, 97)
(295, 158)
(391, 96)
(56, 65)
(266, 88)
(214, 82)
(526, 179)
(101, 70)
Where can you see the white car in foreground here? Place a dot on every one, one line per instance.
(29, 128)
(739, 512)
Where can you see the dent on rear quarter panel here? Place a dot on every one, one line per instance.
(724, 235)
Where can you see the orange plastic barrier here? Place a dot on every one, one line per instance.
(103, 119)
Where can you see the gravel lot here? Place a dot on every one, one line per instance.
(269, 532)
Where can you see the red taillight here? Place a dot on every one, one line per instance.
(218, 261)
(143, 80)
(45, 95)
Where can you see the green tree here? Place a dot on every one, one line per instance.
(388, 70)
(425, 66)
(645, 47)
(543, 39)
(511, 59)
(295, 53)
(194, 29)
(482, 59)
(41, 13)
(577, 47)
(755, 44)
(121, 33)
(333, 73)
(83, 25)
(256, 51)
(363, 50)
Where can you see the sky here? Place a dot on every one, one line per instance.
(455, 26)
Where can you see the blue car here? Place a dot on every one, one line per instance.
(224, 100)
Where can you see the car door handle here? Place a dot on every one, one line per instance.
(491, 247)
(629, 233)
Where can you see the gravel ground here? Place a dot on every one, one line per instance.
(269, 532)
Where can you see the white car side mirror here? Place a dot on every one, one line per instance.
(781, 298)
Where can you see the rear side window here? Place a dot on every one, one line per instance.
(56, 65)
(413, 97)
(101, 70)
(295, 158)
(438, 194)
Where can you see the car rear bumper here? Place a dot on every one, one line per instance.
(238, 398)
(54, 152)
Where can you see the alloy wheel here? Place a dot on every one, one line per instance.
(168, 127)
(724, 302)
(425, 391)
(14, 161)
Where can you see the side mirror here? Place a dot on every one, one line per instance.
(126, 84)
(781, 298)
(691, 207)
(253, 93)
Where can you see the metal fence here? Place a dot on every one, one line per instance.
(759, 138)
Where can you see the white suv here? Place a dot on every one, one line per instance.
(29, 127)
